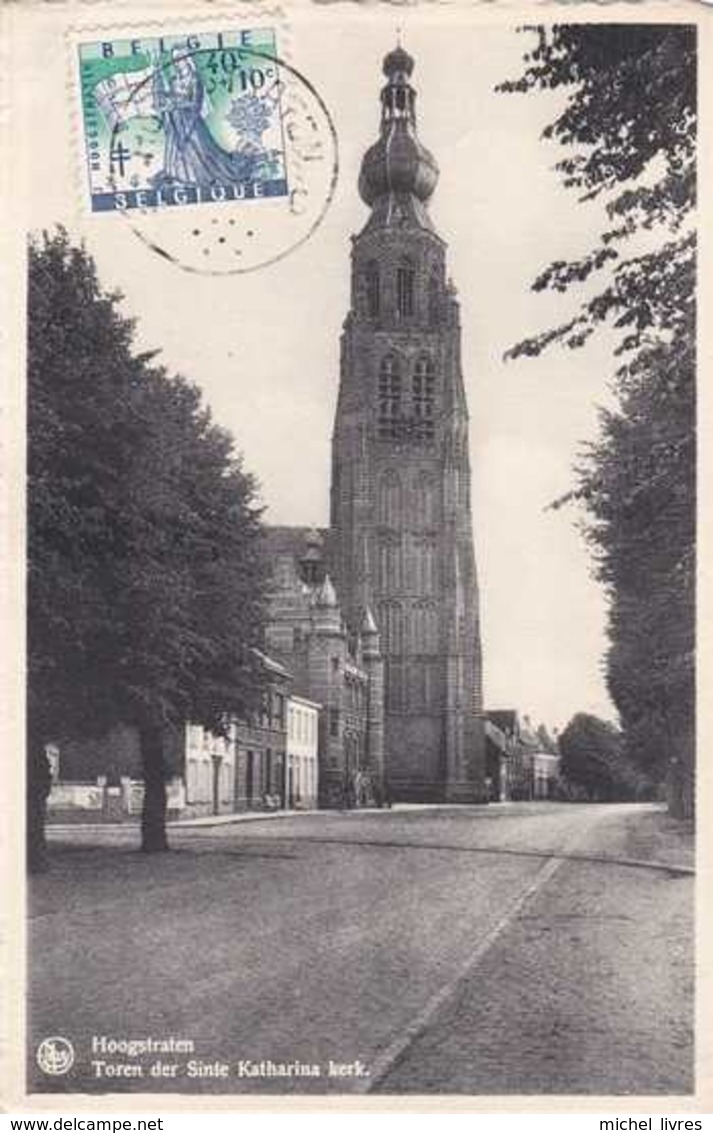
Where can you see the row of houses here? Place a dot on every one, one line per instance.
(522, 762)
(318, 736)
(272, 762)
(317, 739)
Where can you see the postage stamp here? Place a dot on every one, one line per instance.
(210, 145)
(182, 119)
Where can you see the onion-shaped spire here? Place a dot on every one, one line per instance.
(398, 162)
(398, 62)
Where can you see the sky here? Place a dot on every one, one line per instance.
(264, 346)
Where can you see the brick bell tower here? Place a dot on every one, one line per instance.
(400, 503)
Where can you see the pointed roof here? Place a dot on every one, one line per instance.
(326, 596)
(368, 625)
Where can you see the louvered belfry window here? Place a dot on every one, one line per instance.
(404, 291)
(434, 301)
(424, 394)
(389, 394)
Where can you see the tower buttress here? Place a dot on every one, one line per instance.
(374, 665)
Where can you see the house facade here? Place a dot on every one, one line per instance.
(331, 664)
(302, 753)
(522, 765)
(245, 769)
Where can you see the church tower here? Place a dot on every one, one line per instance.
(400, 502)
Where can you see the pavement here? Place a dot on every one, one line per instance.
(518, 949)
(56, 826)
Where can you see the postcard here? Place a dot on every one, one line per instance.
(351, 540)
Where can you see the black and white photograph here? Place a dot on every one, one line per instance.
(355, 557)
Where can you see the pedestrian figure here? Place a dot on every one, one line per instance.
(387, 794)
(349, 794)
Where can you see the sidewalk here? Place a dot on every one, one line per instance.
(227, 819)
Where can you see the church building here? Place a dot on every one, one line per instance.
(399, 551)
(400, 504)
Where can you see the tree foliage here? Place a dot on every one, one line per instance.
(628, 126)
(593, 761)
(545, 740)
(145, 592)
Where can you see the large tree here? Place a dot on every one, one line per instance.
(628, 126)
(145, 591)
(80, 440)
(593, 761)
(189, 581)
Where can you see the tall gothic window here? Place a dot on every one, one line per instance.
(373, 290)
(424, 391)
(389, 395)
(433, 300)
(396, 674)
(425, 628)
(391, 620)
(405, 277)
(422, 559)
(423, 500)
(389, 499)
(390, 560)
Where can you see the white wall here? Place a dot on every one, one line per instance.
(302, 743)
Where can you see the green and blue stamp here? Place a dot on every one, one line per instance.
(182, 119)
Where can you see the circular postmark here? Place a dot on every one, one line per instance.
(55, 1055)
(241, 162)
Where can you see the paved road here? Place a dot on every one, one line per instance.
(537, 948)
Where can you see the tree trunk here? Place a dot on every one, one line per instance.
(681, 777)
(37, 788)
(153, 815)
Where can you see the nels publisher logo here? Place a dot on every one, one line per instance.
(55, 1055)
